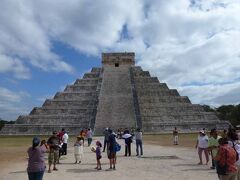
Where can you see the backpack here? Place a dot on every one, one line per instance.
(237, 155)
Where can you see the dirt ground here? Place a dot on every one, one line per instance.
(161, 160)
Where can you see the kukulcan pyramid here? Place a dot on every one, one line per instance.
(117, 95)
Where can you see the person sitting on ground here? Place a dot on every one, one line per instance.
(98, 155)
(36, 164)
(78, 150)
(53, 143)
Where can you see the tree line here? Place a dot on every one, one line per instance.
(226, 112)
(2, 122)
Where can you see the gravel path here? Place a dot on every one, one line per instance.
(158, 162)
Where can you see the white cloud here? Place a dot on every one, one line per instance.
(24, 39)
(13, 104)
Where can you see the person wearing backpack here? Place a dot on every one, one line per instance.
(226, 161)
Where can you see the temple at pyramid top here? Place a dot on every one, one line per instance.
(117, 59)
(116, 95)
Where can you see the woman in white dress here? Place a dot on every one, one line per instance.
(78, 150)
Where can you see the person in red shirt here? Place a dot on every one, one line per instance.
(227, 155)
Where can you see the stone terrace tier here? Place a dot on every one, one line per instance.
(160, 109)
(73, 109)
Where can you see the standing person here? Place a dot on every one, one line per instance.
(226, 156)
(138, 137)
(213, 146)
(78, 150)
(89, 136)
(202, 146)
(36, 164)
(175, 136)
(233, 142)
(106, 138)
(82, 135)
(112, 150)
(128, 140)
(98, 155)
(53, 157)
(65, 141)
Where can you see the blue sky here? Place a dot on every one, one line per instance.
(192, 45)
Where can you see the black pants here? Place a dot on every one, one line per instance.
(89, 141)
(105, 145)
(64, 147)
(128, 149)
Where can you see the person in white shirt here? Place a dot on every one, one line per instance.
(202, 145)
(65, 141)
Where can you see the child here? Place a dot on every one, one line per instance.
(78, 150)
(98, 155)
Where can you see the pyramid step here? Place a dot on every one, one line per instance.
(82, 88)
(56, 103)
(91, 75)
(53, 119)
(73, 96)
(141, 73)
(152, 86)
(87, 81)
(86, 94)
(155, 93)
(96, 70)
(174, 118)
(140, 80)
(60, 111)
(165, 99)
(169, 110)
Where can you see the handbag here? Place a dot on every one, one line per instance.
(117, 147)
(222, 169)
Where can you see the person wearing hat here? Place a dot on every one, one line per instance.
(202, 146)
(36, 164)
(54, 145)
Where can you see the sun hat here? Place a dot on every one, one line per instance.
(202, 131)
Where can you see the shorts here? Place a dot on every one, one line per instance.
(53, 157)
(111, 155)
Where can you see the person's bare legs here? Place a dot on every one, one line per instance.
(49, 167)
(200, 150)
(206, 155)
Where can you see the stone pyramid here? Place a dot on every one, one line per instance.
(117, 95)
